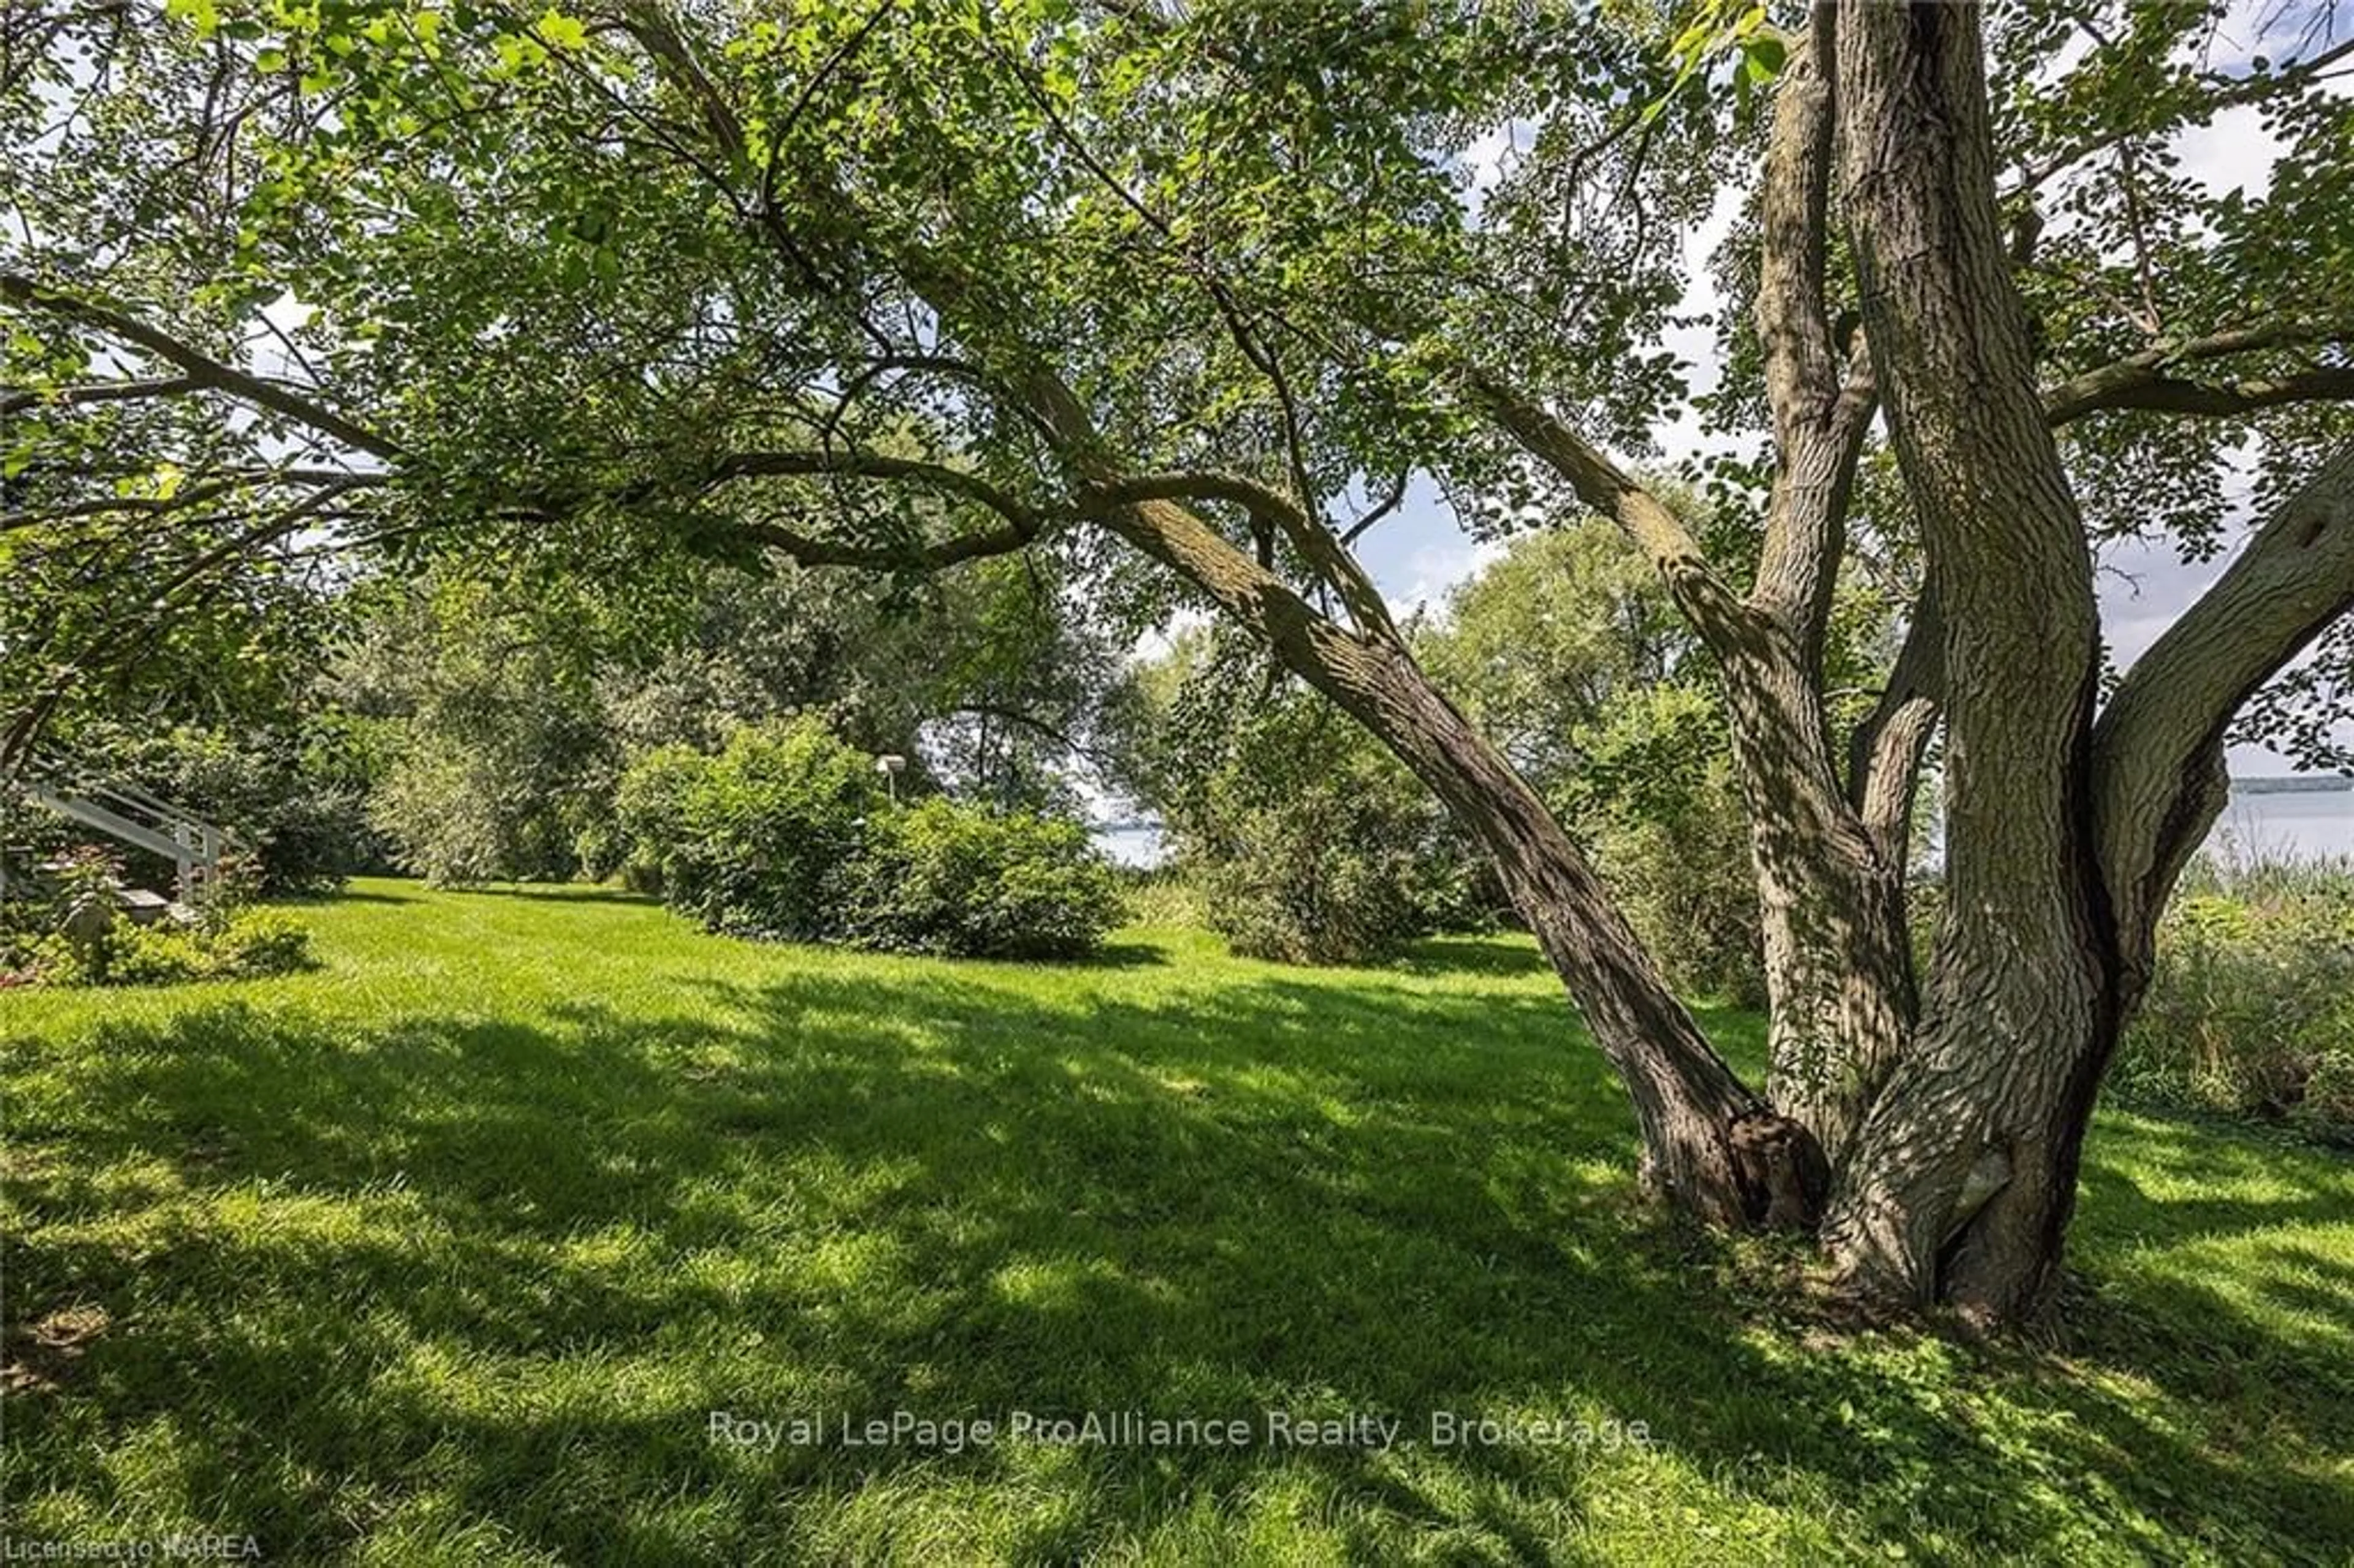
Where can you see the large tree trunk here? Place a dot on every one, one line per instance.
(1962, 1178)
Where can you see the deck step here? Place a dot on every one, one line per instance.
(143, 906)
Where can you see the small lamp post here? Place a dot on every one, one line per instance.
(889, 765)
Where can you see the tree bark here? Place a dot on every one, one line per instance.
(1963, 1175)
(1830, 901)
(1838, 959)
(1711, 1146)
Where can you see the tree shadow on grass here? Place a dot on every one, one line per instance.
(499, 1272)
(1119, 956)
(562, 893)
(1497, 955)
(344, 895)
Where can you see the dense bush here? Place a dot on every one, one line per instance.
(1312, 844)
(1325, 878)
(647, 841)
(489, 752)
(948, 877)
(73, 933)
(443, 815)
(2251, 1005)
(756, 840)
(786, 833)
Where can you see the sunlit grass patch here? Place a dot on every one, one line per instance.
(447, 1251)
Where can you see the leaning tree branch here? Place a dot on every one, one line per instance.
(1022, 523)
(1324, 554)
(100, 392)
(200, 369)
(875, 465)
(2211, 399)
(1699, 591)
(1146, 513)
(207, 487)
(2159, 746)
(1380, 509)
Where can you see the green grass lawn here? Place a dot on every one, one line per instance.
(446, 1251)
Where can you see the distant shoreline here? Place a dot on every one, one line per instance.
(2294, 784)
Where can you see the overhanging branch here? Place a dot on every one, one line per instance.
(2150, 379)
(100, 392)
(201, 369)
(2213, 400)
(1023, 524)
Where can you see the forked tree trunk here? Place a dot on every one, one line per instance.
(1960, 1186)
(1958, 1122)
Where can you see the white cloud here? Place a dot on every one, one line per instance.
(1494, 154)
(1158, 643)
(2234, 151)
(1437, 567)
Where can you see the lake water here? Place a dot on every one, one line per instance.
(2286, 825)
(1132, 844)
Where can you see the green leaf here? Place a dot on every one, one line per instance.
(201, 13)
(562, 31)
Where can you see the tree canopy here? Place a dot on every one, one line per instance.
(899, 284)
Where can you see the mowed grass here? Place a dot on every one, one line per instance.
(446, 1252)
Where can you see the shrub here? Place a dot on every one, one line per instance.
(457, 817)
(956, 879)
(755, 841)
(654, 849)
(1328, 877)
(442, 814)
(487, 747)
(1306, 840)
(2250, 1004)
(153, 955)
(78, 937)
(785, 834)
(254, 942)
